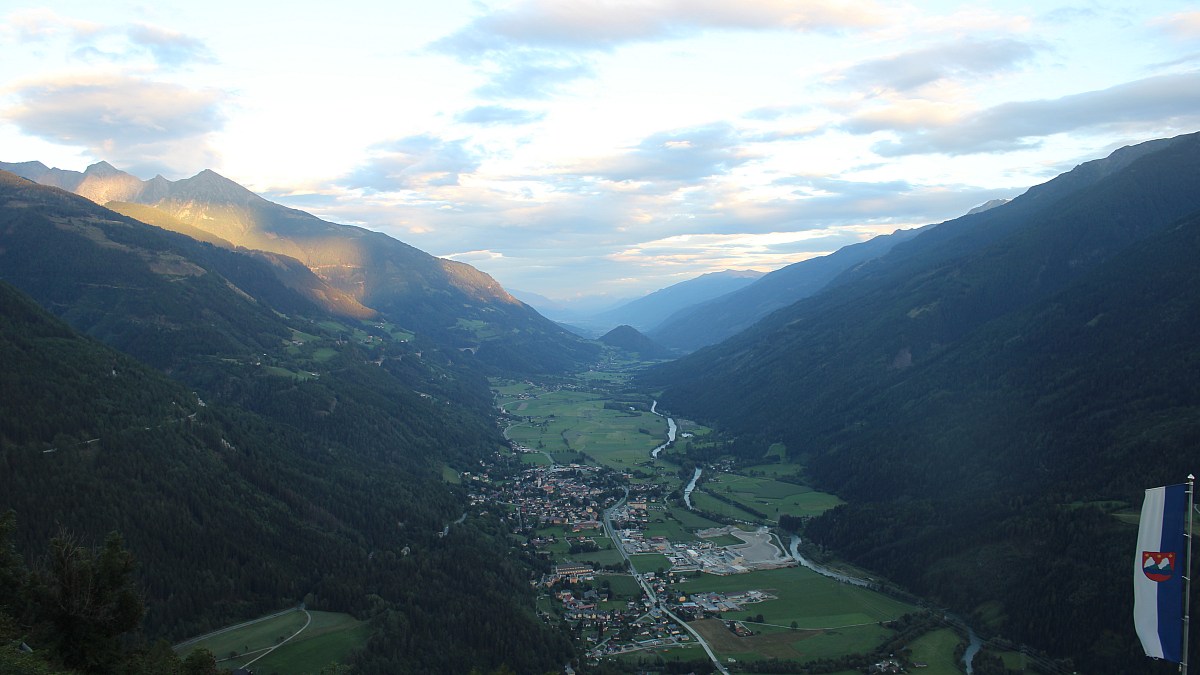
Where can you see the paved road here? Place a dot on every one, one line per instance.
(306, 623)
(240, 625)
(650, 591)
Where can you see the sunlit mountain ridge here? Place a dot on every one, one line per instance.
(364, 271)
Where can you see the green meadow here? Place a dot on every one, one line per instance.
(771, 496)
(328, 639)
(577, 422)
(805, 597)
(936, 651)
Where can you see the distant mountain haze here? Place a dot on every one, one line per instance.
(710, 322)
(651, 310)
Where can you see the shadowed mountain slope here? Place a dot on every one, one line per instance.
(978, 392)
(628, 339)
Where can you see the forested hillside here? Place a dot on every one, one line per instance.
(295, 457)
(988, 394)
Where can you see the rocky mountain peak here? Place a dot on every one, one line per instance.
(103, 169)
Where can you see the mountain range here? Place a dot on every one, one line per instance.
(989, 395)
(358, 273)
(988, 391)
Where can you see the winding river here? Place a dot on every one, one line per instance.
(687, 491)
(671, 429)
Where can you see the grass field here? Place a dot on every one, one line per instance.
(809, 599)
(622, 585)
(671, 529)
(936, 649)
(802, 645)
(572, 422)
(329, 638)
(692, 520)
(599, 558)
(535, 459)
(724, 540)
(771, 496)
(706, 502)
(650, 562)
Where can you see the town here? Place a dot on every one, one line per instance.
(562, 512)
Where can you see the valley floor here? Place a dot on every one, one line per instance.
(642, 579)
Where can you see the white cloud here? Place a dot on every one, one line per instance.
(41, 24)
(531, 74)
(415, 162)
(601, 24)
(1181, 25)
(916, 68)
(131, 121)
(168, 47)
(116, 43)
(1156, 101)
(686, 155)
(535, 47)
(498, 115)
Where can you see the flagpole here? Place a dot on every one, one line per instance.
(1187, 577)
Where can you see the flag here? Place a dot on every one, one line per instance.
(1159, 568)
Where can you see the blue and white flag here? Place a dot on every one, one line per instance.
(1159, 568)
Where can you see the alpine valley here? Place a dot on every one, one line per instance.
(273, 410)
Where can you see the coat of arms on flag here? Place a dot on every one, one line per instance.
(1160, 571)
(1158, 565)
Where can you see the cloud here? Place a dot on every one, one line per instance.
(682, 155)
(913, 114)
(537, 46)
(602, 25)
(775, 112)
(475, 257)
(168, 47)
(128, 120)
(489, 115)
(116, 43)
(1160, 100)
(41, 25)
(531, 74)
(1181, 25)
(966, 58)
(414, 162)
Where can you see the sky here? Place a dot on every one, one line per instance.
(602, 149)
